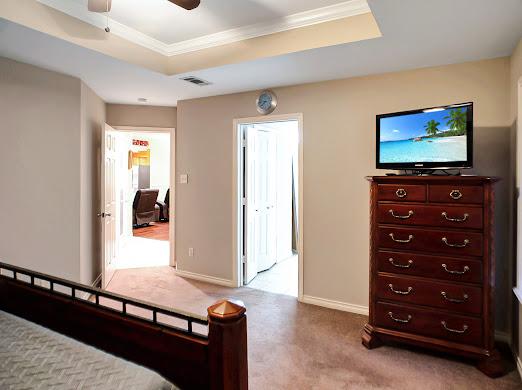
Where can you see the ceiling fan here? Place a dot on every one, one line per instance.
(105, 5)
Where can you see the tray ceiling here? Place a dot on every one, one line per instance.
(171, 30)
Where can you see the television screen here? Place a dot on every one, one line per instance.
(439, 137)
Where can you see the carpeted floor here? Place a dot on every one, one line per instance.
(297, 346)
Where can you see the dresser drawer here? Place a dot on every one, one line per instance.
(455, 243)
(436, 267)
(456, 194)
(454, 327)
(401, 193)
(454, 297)
(437, 216)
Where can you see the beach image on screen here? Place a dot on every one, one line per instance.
(435, 136)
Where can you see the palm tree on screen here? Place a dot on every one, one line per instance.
(457, 121)
(432, 127)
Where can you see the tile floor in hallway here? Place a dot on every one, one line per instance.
(292, 345)
(139, 252)
(282, 278)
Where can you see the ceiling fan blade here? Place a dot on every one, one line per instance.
(187, 4)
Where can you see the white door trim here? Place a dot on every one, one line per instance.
(172, 209)
(237, 224)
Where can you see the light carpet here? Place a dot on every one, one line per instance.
(292, 345)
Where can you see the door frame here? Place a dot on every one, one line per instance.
(237, 180)
(172, 208)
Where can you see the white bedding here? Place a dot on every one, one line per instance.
(33, 357)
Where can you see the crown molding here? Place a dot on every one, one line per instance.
(77, 9)
(302, 19)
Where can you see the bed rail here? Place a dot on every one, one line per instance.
(190, 350)
(113, 301)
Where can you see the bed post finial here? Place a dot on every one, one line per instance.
(227, 336)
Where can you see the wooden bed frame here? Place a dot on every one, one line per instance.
(201, 353)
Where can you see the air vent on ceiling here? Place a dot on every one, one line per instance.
(196, 80)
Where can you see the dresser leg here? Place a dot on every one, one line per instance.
(369, 338)
(492, 366)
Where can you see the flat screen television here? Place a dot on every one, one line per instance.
(428, 138)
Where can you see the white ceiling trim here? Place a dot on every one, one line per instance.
(301, 19)
(77, 9)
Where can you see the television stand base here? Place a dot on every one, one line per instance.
(428, 172)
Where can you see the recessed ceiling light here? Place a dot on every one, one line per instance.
(142, 100)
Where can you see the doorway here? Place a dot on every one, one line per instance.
(136, 187)
(268, 204)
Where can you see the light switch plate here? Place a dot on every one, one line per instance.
(183, 179)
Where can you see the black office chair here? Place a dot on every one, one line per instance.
(164, 207)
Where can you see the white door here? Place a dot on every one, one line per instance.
(260, 194)
(108, 204)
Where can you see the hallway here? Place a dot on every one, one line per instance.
(282, 278)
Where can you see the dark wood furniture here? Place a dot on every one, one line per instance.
(432, 274)
(190, 351)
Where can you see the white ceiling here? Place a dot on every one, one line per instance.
(415, 34)
(169, 23)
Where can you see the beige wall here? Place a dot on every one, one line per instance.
(92, 122)
(339, 144)
(515, 75)
(39, 169)
(50, 131)
(141, 116)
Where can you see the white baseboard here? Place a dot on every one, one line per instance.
(336, 305)
(85, 295)
(97, 281)
(206, 278)
(503, 337)
(519, 366)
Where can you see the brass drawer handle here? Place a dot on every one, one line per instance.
(464, 328)
(455, 194)
(454, 300)
(465, 269)
(410, 238)
(410, 289)
(463, 245)
(463, 219)
(401, 193)
(410, 213)
(392, 262)
(399, 319)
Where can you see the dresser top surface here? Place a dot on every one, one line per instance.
(433, 179)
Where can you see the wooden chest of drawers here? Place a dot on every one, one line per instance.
(432, 265)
